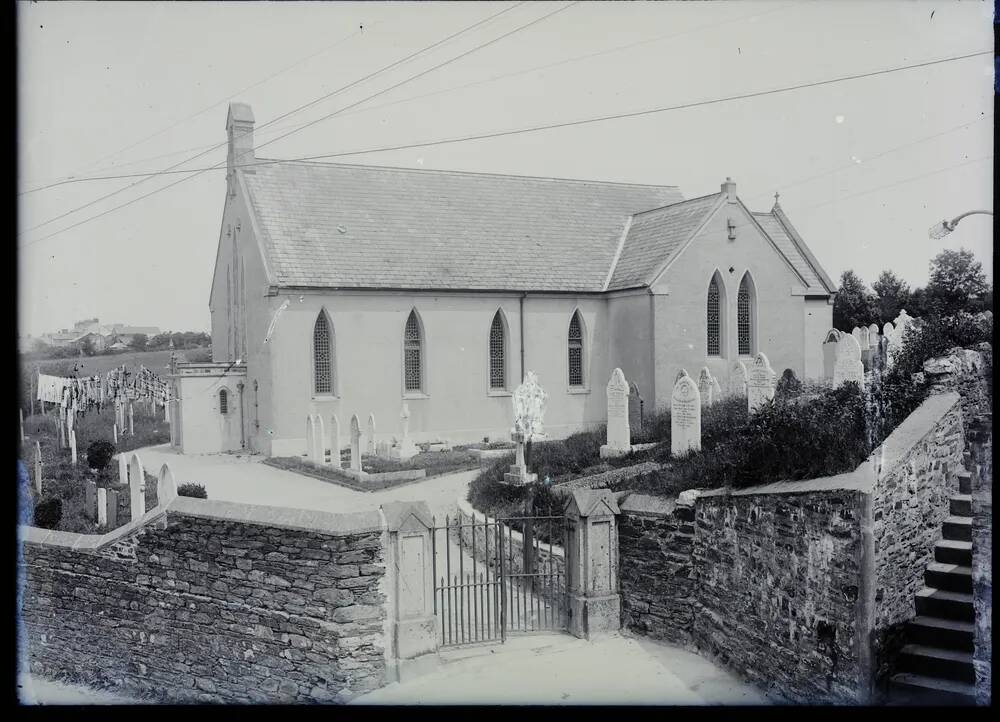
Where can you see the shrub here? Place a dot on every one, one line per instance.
(48, 513)
(194, 490)
(99, 455)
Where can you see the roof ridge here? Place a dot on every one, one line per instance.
(671, 205)
(276, 161)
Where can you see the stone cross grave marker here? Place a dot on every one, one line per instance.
(760, 382)
(72, 447)
(335, 442)
(619, 439)
(371, 434)
(634, 409)
(355, 443)
(529, 411)
(705, 387)
(405, 449)
(738, 379)
(849, 366)
(685, 417)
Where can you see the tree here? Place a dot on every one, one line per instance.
(854, 304)
(891, 296)
(957, 281)
(139, 341)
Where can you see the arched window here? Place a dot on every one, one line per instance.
(712, 323)
(223, 402)
(744, 316)
(412, 354)
(498, 353)
(323, 351)
(575, 343)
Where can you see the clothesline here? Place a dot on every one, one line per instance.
(117, 386)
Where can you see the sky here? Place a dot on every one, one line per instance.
(864, 167)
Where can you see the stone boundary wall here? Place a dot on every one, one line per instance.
(513, 549)
(779, 582)
(606, 478)
(981, 447)
(207, 601)
(656, 568)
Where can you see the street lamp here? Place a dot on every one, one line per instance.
(943, 228)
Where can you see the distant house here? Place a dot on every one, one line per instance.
(127, 334)
(100, 342)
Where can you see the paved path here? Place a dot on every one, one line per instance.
(243, 478)
(559, 669)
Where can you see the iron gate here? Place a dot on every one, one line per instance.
(497, 577)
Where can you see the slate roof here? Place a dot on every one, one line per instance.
(353, 226)
(654, 236)
(327, 225)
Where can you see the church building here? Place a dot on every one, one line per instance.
(345, 290)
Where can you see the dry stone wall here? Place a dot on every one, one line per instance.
(212, 609)
(981, 447)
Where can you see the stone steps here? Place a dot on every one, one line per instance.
(950, 577)
(949, 551)
(951, 664)
(960, 505)
(947, 605)
(944, 633)
(964, 482)
(917, 689)
(957, 528)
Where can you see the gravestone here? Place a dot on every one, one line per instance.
(136, 486)
(102, 507)
(619, 438)
(685, 417)
(873, 336)
(383, 449)
(131, 420)
(90, 500)
(849, 366)
(310, 437)
(335, 442)
(738, 379)
(114, 431)
(166, 486)
(788, 384)
(634, 409)
(405, 449)
(856, 332)
(319, 441)
(355, 443)
(112, 508)
(72, 447)
(705, 388)
(716, 390)
(20, 414)
(123, 469)
(38, 467)
(760, 382)
(528, 401)
(371, 434)
(62, 434)
(680, 374)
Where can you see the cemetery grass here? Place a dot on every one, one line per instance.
(62, 480)
(435, 463)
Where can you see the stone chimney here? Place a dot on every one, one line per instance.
(239, 129)
(729, 188)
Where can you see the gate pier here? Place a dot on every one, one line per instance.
(592, 563)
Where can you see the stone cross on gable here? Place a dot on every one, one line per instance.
(529, 407)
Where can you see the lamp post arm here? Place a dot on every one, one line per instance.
(954, 221)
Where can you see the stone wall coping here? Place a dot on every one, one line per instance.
(396, 512)
(323, 522)
(477, 516)
(908, 434)
(648, 505)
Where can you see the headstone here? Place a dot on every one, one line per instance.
(705, 389)
(335, 442)
(873, 336)
(716, 390)
(72, 447)
(310, 437)
(634, 409)
(355, 443)
(830, 352)
(123, 469)
(405, 449)
(760, 382)
(319, 441)
(529, 410)
(112, 508)
(136, 485)
(856, 332)
(619, 438)
(38, 467)
(114, 430)
(738, 379)
(888, 329)
(849, 366)
(680, 374)
(685, 417)
(166, 411)
(62, 434)
(383, 449)
(131, 420)
(90, 500)
(166, 486)
(102, 507)
(371, 434)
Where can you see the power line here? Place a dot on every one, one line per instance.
(532, 129)
(197, 172)
(274, 120)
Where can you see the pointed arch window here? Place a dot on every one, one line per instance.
(223, 402)
(498, 353)
(575, 343)
(713, 326)
(413, 354)
(323, 355)
(744, 317)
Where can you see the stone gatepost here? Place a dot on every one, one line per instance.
(592, 563)
(412, 631)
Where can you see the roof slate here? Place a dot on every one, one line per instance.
(773, 227)
(352, 226)
(654, 237)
